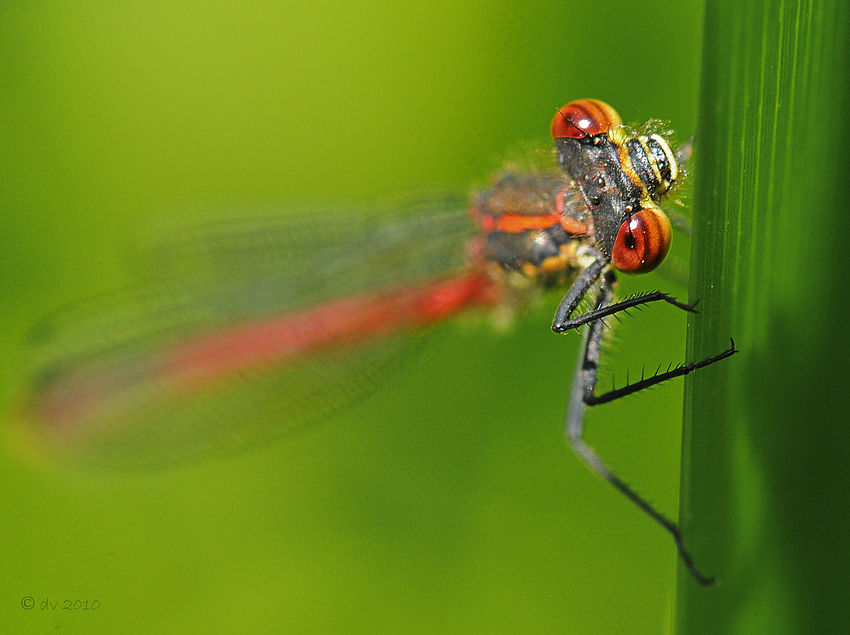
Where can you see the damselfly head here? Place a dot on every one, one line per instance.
(622, 176)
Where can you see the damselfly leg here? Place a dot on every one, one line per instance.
(583, 392)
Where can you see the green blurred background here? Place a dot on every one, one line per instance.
(447, 501)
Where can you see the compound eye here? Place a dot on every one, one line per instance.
(643, 241)
(584, 118)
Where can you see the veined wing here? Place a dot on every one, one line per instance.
(238, 333)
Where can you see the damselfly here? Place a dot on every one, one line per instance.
(294, 317)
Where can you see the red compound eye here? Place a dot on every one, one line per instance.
(583, 118)
(643, 241)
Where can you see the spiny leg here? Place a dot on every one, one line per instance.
(583, 395)
(601, 267)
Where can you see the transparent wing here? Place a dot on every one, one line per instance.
(237, 333)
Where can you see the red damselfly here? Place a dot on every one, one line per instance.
(296, 315)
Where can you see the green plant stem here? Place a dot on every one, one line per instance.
(764, 479)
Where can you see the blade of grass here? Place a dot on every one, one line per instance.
(764, 481)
